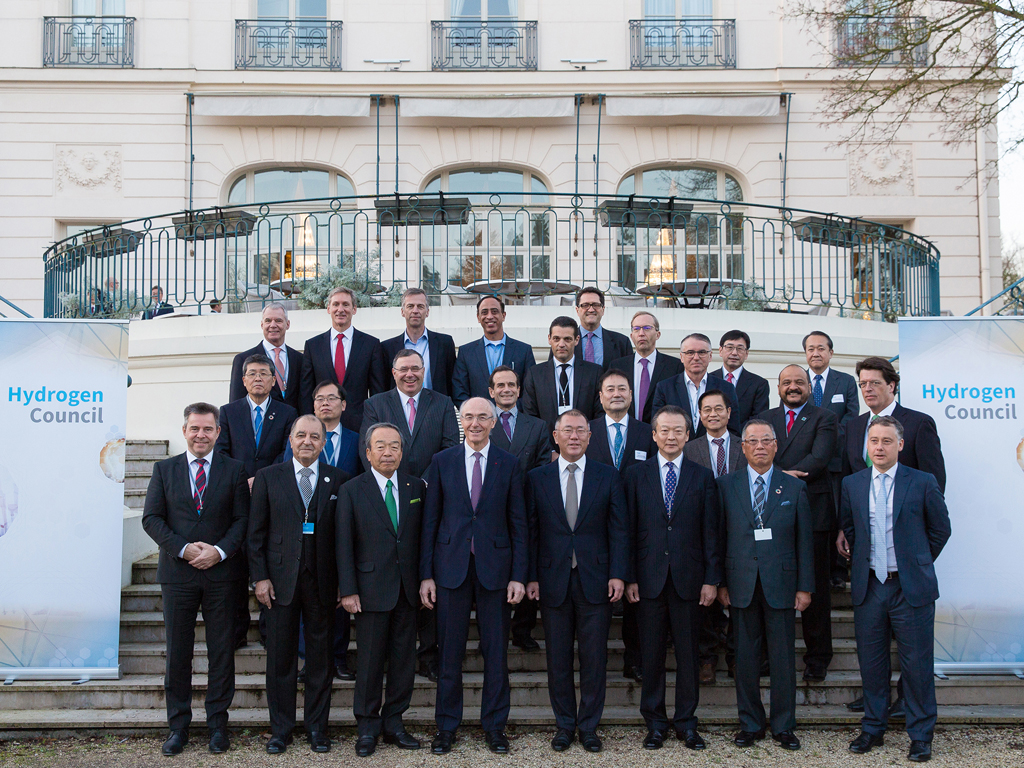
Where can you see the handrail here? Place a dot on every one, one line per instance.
(15, 307)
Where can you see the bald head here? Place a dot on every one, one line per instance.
(792, 371)
(477, 415)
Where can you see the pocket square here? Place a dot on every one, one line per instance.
(785, 503)
(413, 501)
(333, 498)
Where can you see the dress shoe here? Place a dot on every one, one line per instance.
(342, 673)
(898, 711)
(838, 583)
(813, 674)
(277, 745)
(857, 705)
(219, 741)
(402, 740)
(442, 743)
(787, 740)
(175, 743)
(633, 672)
(428, 669)
(655, 738)
(920, 751)
(497, 742)
(319, 741)
(301, 676)
(590, 741)
(563, 740)
(707, 673)
(526, 643)
(690, 738)
(366, 746)
(747, 738)
(865, 743)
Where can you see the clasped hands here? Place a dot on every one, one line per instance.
(201, 555)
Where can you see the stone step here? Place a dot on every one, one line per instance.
(137, 449)
(137, 466)
(136, 479)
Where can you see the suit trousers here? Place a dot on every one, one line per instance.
(493, 617)
(658, 616)
(885, 613)
(426, 632)
(714, 633)
(342, 637)
(218, 600)
(817, 619)
(631, 656)
(283, 658)
(385, 638)
(524, 619)
(577, 621)
(754, 626)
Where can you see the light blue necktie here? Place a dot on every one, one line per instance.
(257, 426)
(329, 448)
(619, 446)
(880, 559)
(819, 394)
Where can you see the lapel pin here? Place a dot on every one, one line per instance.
(327, 479)
(778, 490)
(270, 417)
(803, 418)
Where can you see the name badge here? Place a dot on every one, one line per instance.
(563, 408)
(838, 399)
(307, 528)
(640, 455)
(762, 534)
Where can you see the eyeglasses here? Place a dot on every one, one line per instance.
(871, 384)
(258, 375)
(403, 371)
(734, 348)
(691, 353)
(591, 305)
(482, 418)
(321, 399)
(644, 328)
(717, 409)
(570, 431)
(753, 441)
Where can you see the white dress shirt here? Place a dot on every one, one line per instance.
(612, 431)
(558, 381)
(404, 400)
(663, 466)
(637, 371)
(714, 451)
(347, 336)
(824, 380)
(471, 461)
(563, 477)
(382, 482)
(735, 375)
(315, 466)
(269, 349)
(252, 410)
(890, 548)
(887, 411)
(192, 469)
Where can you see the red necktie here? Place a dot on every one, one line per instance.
(339, 360)
(728, 377)
(790, 418)
(200, 484)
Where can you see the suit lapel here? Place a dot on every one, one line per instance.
(587, 494)
(899, 492)
(553, 488)
(547, 392)
(860, 497)
(518, 434)
(653, 478)
(404, 505)
(399, 416)
(372, 491)
(322, 491)
(771, 501)
(183, 481)
(685, 478)
(577, 385)
(493, 462)
(434, 350)
(798, 423)
(421, 412)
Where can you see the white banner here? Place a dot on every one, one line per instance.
(63, 405)
(967, 373)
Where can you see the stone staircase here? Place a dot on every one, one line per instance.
(136, 701)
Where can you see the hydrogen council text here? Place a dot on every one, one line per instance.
(85, 402)
(970, 401)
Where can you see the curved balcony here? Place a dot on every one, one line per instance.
(642, 251)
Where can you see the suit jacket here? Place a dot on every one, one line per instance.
(921, 447)
(275, 530)
(471, 372)
(540, 393)
(434, 429)
(346, 455)
(686, 547)
(638, 438)
(615, 346)
(238, 440)
(364, 373)
(675, 392)
(441, 350)
(171, 520)
(600, 537)
(839, 383)
(665, 367)
(698, 450)
(785, 563)
(751, 393)
(163, 308)
(808, 448)
(291, 396)
(497, 529)
(374, 561)
(920, 529)
(531, 441)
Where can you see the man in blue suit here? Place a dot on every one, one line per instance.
(896, 524)
(685, 389)
(473, 549)
(478, 359)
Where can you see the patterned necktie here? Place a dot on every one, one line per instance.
(305, 486)
(790, 418)
(880, 558)
(328, 450)
(412, 414)
(563, 386)
(279, 370)
(572, 503)
(257, 426)
(670, 487)
(506, 424)
(759, 496)
(389, 502)
(588, 348)
(819, 393)
(619, 446)
(719, 443)
(200, 484)
(645, 386)
(729, 377)
(339, 359)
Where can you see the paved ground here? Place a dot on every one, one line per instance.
(976, 748)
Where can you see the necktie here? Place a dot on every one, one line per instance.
(572, 503)
(389, 502)
(257, 426)
(670, 487)
(412, 414)
(305, 486)
(790, 418)
(506, 424)
(719, 443)
(729, 377)
(329, 448)
(200, 484)
(759, 496)
(478, 480)
(819, 393)
(645, 385)
(339, 359)
(588, 348)
(279, 370)
(880, 558)
(563, 385)
(620, 444)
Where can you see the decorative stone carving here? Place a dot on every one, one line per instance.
(882, 169)
(88, 167)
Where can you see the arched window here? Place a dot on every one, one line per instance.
(283, 184)
(687, 181)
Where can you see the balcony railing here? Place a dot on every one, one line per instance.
(287, 44)
(88, 41)
(682, 43)
(483, 45)
(882, 41)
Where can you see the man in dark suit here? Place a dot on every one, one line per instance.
(673, 508)
(621, 441)
(646, 367)
(436, 349)
(685, 389)
(474, 506)
(597, 343)
(836, 391)
(806, 442)
(528, 439)
(895, 524)
(579, 565)
(478, 359)
(562, 383)
(378, 577)
(293, 565)
(769, 571)
(159, 306)
(751, 389)
(359, 368)
(197, 512)
(287, 361)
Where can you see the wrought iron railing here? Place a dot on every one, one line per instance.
(88, 41)
(483, 45)
(882, 41)
(640, 249)
(287, 44)
(679, 43)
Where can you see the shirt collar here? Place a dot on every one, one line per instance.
(571, 362)
(404, 398)
(513, 412)
(581, 464)
(824, 375)
(499, 342)
(610, 422)
(703, 382)
(724, 437)
(422, 339)
(252, 405)
(735, 374)
(383, 481)
(637, 357)
(335, 333)
(599, 332)
(192, 457)
(890, 473)
(752, 476)
(786, 409)
(887, 411)
(297, 465)
(484, 451)
(662, 461)
(270, 349)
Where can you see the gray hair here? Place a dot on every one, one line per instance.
(757, 423)
(886, 421)
(381, 425)
(275, 305)
(341, 289)
(494, 408)
(305, 416)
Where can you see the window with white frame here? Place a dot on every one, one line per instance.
(99, 26)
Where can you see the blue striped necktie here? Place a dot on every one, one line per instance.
(257, 427)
